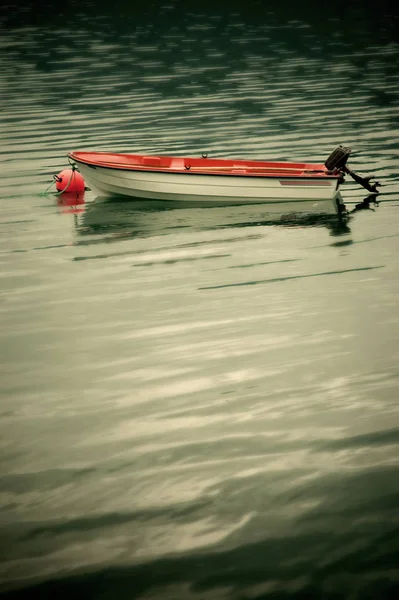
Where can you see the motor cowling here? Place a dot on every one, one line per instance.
(338, 158)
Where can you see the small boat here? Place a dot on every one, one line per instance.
(213, 180)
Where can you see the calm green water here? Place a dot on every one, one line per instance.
(198, 403)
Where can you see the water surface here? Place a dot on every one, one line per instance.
(197, 402)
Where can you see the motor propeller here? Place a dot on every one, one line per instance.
(363, 181)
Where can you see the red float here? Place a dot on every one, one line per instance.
(69, 180)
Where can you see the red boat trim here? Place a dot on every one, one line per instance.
(294, 174)
(320, 179)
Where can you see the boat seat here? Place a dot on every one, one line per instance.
(178, 163)
(151, 161)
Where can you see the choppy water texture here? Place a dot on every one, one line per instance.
(198, 403)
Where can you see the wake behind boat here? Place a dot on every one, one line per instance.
(213, 180)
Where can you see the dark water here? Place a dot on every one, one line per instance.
(198, 403)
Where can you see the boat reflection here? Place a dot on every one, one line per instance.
(120, 218)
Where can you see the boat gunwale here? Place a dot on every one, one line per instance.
(234, 172)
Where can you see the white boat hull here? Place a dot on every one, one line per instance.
(207, 188)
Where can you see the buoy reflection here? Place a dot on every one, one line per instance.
(71, 203)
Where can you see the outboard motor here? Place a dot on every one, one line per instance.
(336, 162)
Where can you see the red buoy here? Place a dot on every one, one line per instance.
(69, 180)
